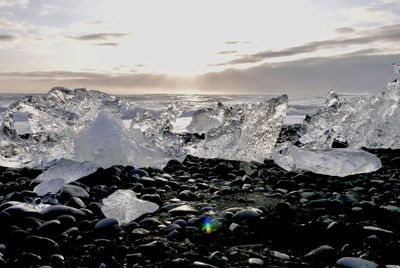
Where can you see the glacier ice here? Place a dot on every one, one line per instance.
(54, 120)
(371, 122)
(204, 120)
(84, 125)
(104, 142)
(124, 206)
(32, 207)
(49, 186)
(334, 162)
(247, 131)
(62, 172)
(67, 170)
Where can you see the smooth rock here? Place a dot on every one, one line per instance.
(352, 262)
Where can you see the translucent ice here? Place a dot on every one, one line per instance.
(91, 126)
(49, 186)
(124, 206)
(362, 122)
(31, 207)
(333, 162)
(247, 132)
(54, 120)
(62, 172)
(204, 120)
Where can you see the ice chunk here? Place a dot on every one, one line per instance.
(88, 126)
(68, 170)
(248, 132)
(104, 143)
(62, 172)
(49, 186)
(31, 207)
(204, 120)
(124, 206)
(371, 122)
(332, 162)
(54, 120)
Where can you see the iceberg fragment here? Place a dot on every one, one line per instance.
(371, 122)
(124, 206)
(247, 132)
(333, 162)
(84, 125)
(54, 119)
(62, 172)
(49, 186)
(204, 120)
(104, 142)
(30, 207)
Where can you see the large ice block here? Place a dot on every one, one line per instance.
(334, 162)
(84, 125)
(371, 122)
(247, 132)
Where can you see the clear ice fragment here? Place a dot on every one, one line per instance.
(84, 125)
(333, 162)
(62, 172)
(371, 122)
(124, 206)
(247, 132)
(49, 186)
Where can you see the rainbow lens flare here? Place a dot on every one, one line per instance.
(207, 225)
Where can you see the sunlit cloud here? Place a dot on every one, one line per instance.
(180, 44)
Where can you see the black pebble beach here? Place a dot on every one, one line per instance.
(213, 213)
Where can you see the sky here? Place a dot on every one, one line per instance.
(299, 47)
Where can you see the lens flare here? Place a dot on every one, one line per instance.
(207, 225)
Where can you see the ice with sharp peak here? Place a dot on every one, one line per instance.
(62, 172)
(84, 125)
(371, 122)
(205, 119)
(334, 162)
(124, 206)
(247, 132)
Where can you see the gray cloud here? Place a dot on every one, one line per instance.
(98, 36)
(96, 22)
(226, 52)
(7, 37)
(390, 33)
(345, 30)
(351, 73)
(313, 76)
(109, 44)
(236, 42)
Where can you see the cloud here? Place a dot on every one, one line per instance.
(109, 44)
(7, 37)
(349, 73)
(96, 22)
(11, 3)
(345, 30)
(226, 52)
(236, 42)
(389, 33)
(98, 36)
